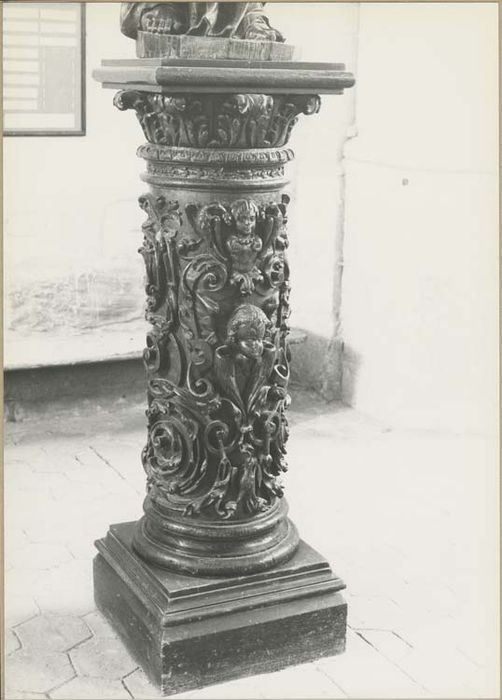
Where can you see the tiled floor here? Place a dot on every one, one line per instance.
(407, 519)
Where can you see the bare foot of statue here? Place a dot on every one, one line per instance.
(259, 29)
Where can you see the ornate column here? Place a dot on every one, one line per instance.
(213, 582)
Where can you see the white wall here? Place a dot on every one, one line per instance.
(72, 225)
(325, 32)
(421, 240)
(71, 218)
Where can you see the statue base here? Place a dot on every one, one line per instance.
(149, 45)
(188, 632)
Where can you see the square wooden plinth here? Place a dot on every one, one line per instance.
(188, 632)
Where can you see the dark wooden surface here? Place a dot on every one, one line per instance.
(180, 75)
(217, 360)
(221, 63)
(183, 46)
(189, 632)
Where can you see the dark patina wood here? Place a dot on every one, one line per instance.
(171, 46)
(187, 632)
(177, 75)
(213, 582)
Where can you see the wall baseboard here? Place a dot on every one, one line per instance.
(27, 389)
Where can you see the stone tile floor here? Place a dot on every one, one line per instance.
(406, 518)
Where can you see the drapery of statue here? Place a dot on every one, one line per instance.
(238, 20)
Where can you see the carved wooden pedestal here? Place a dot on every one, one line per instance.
(213, 582)
(192, 631)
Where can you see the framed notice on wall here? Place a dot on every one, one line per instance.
(43, 69)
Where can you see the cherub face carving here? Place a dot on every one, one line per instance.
(249, 342)
(246, 330)
(244, 212)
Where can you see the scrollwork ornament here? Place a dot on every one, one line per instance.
(217, 298)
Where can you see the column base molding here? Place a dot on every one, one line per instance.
(215, 548)
(188, 632)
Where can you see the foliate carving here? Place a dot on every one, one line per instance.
(217, 285)
(159, 173)
(159, 231)
(228, 158)
(167, 164)
(217, 121)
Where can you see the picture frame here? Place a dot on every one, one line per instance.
(41, 40)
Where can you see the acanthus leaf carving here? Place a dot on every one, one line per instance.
(233, 121)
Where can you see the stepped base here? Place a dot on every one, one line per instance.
(189, 632)
(169, 541)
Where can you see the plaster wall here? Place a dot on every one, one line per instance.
(71, 224)
(420, 287)
(73, 277)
